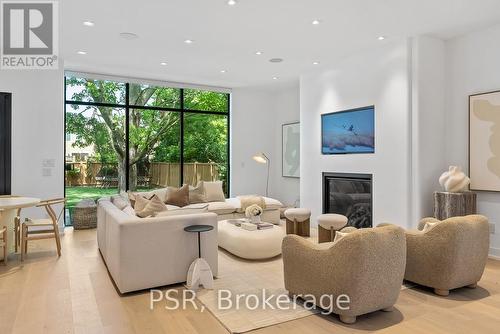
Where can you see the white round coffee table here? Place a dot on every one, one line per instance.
(252, 245)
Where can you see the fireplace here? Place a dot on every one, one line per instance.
(349, 195)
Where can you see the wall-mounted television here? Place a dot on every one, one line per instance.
(348, 131)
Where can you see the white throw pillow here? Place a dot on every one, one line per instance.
(214, 192)
(339, 236)
(182, 211)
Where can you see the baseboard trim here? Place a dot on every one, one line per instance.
(494, 254)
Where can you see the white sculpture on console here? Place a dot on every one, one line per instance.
(454, 180)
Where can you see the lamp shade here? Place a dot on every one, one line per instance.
(261, 158)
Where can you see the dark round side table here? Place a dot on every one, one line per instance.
(198, 229)
(199, 272)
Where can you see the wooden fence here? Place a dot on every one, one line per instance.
(159, 173)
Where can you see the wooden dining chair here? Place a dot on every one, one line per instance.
(46, 228)
(3, 242)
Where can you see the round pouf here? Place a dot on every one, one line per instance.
(297, 221)
(252, 245)
(328, 224)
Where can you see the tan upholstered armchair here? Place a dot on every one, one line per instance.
(452, 254)
(367, 265)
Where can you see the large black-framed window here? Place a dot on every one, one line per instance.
(135, 136)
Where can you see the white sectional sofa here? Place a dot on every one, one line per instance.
(143, 253)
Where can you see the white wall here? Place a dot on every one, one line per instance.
(37, 132)
(376, 77)
(428, 123)
(286, 109)
(473, 67)
(256, 119)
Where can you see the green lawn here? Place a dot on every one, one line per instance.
(76, 194)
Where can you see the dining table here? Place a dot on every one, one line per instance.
(8, 212)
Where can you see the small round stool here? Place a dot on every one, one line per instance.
(328, 224)
(297, 221)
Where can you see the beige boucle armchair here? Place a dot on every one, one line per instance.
(452, 254)
(367, 265)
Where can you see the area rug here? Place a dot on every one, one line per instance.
(262, 279)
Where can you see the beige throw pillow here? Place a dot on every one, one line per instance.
(152, 207)
(197, 194)
(139, 203)
(178, 196)
(339, 236)
(214, 192)
(429, 225)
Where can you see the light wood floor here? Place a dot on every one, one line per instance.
(74, 294)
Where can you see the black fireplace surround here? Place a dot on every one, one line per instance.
(350, 195)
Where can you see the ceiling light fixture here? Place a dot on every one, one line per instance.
(163, 63)
(223, 71)
(88, 23)
(315, 62)
(82, 52)
(315, 22)
(381, 38)
(128, 36)
(258, 53)
(231, 2)
(188, 41)
(275, 78)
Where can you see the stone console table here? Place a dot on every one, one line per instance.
(448, 205)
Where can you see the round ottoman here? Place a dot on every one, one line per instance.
(252, 245)
(298, 221)
(328, 224)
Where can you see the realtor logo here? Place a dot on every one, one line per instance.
(29, 35)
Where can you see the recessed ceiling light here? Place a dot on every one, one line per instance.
(223, 71)
(276, 60)
(128, 36)
(258, 53)
(315, 62)
(315, 22)
(82, 52)
(163, 63)
(188, 41)
(231, 2)
(275, 78)
(381, 38)
(88, 23)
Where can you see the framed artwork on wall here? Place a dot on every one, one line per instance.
(290, 134)
(484, 141)
(349, 131)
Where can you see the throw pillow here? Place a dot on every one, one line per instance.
(178, 196)
(129, 210)
(197, 194)
(119, 201)
(161, 192)
(182, 211)
(140, 203)
(214, 192)
(339, 236)
(152, 207)
(429, 225)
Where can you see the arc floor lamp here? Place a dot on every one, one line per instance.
(263, 159)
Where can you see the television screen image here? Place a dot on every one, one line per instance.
(350, 131)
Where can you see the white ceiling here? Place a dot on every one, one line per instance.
(227, 37)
